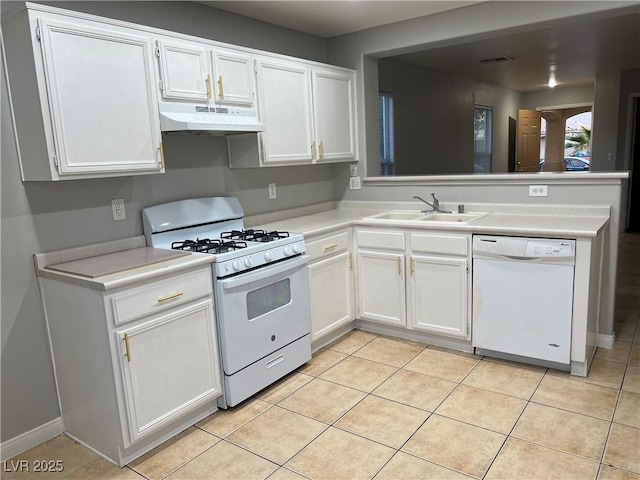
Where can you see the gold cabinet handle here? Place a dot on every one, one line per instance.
(350, 262)
(399, 266)
(328, 248)
(170, 297)
(161, 150)
(313, 150)
(127, 351)
(413, 266)
(220, 87)
(208, 80)
(321, 150)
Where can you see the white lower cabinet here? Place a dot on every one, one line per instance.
(420, 281)
(439, 295)
(136, 365)
(331, 283)
(169, 365)
(440, 283)
(381, 287)
(381, 276)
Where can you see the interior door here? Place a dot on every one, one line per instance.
(528, 157)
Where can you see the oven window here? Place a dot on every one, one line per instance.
(268, 298)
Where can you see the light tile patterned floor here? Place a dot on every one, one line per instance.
(370, 406)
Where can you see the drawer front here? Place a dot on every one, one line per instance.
(444, 244)
(160, 295)
(380, 239)
(329, 245)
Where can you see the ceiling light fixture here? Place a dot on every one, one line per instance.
(552, 76)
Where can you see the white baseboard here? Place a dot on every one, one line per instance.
(30, 439)
(606, 341)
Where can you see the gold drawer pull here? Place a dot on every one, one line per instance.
(350, 262)
(321, 150)
(399, 266)
(170, 297)
(328, 248)
(413, 266)
(127, 351)
(313, 150)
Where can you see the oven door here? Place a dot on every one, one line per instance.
(261, 311)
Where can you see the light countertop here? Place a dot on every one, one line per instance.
(91, 255)
(571, 222)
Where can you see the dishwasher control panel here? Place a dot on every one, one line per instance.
(541, 248)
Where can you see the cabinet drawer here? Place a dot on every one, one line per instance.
(159, 295)
(445, 244)
(380, 239)
(329, 245)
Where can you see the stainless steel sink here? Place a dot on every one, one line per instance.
(415, 215)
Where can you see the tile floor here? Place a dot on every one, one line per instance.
(372, 406)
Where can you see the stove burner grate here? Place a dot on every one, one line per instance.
(207, 245)
(251, 235)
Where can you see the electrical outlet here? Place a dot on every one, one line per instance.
(117, 209)
(353, 170)
(272, 191)
(354, 183)
(538, 191)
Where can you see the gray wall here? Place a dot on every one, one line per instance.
(433, 115)
(44, 216)
(559, 96)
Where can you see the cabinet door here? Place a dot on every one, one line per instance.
(169, 366)
(334, 117)
(185, 71)
(381, 287)
(101, 89)
(439, 295)
(284, 93)
(331, 288)
(233, 78)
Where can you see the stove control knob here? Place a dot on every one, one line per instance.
(287, 251)
(268, 256)
(247, 262)
(236, 265)
(297, 248)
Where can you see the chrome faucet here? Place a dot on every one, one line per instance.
(435, 205)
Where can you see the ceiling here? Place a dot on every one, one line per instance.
(330, 18)
(578, 48)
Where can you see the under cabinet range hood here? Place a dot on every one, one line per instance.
(204, 119)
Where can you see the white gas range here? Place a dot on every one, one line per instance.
(261, 288)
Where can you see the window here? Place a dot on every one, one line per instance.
(387, 153)
(482, 139)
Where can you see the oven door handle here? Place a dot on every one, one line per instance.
(263, 273)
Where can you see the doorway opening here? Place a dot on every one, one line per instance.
(577, 142)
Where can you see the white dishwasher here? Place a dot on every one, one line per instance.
(523, 297)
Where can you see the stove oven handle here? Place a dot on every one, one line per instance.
(265, 273)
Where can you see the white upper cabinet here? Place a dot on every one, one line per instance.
(197, 72)
(233, 78)
(184, 71)
(284, 93)
(334, 110)
(308, 113)
(86, 90)
(103, 107)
